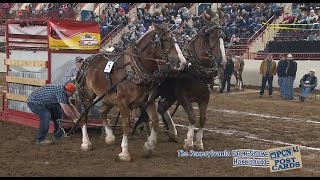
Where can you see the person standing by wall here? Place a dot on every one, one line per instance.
(268, 69)
(227, 73)
(281, 72)
(291, 71)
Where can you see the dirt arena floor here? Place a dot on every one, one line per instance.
(239, 120)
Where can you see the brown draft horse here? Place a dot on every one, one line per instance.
(237, 72)
(136, 73)
(205, 56)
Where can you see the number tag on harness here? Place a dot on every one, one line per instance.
(108, 67)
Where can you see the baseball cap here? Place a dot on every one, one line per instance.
(79, 59)
(69, 86)
(313, 70)
(289, 56)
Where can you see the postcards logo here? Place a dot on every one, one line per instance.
(285, 158)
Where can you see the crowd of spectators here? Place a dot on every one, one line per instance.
(112, 16)
(303, 23)
(173, 15)
(244, 19)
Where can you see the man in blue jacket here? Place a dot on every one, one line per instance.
(291, 71)
(307, 84)
(281, 72)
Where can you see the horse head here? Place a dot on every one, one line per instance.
(166, 48)
(215, 38)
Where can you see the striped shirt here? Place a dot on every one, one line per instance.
(49, 94)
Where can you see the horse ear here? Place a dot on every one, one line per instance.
(202, 30)
(157, 28)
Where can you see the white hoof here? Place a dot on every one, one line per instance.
(86, 147)
(124, 157)
(147, 148)
(198, 147)
(110, 139)
(188, 145)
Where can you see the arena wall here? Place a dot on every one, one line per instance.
(2, 66)
(251, 75)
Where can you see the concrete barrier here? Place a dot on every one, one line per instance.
(251, 75)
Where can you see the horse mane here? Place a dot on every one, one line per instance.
(147, 33)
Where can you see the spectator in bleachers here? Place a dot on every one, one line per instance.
(303, 18)
(288, 19)
(296, 10)
(307, 84)
(234, 40)
(312, 17)
(184, 12)
(177, 21)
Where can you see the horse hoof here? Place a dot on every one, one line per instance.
(198, 147)
(187, 145)
(86, 147)
(172, 137)
(147, 152)
(110, 140)
(125, 158)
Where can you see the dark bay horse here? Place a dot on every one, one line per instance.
(205, 56)
(136, 72)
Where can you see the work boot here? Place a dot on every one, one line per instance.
(44, 142)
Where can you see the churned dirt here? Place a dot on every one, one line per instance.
(240, 120)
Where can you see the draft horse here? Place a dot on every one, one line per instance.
(135, 74)
(205, 55)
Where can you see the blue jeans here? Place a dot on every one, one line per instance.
(288, 87)
(46, 113)
(281, 85)
(304, 91)
(266, 79)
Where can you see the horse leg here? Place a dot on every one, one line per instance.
(86, 144)
(125, 117)
(152, 139)
(187, 106)
(163, 109)
(104, 110)
(198, 145)
(241, 81)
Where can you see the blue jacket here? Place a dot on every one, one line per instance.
(281, 69)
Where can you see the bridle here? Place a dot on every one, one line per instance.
(211, 71)
(164, 61)
(210, 48)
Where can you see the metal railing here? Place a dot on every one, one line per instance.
(259, 33)
(276, 56)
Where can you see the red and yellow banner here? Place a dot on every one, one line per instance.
(72, 34)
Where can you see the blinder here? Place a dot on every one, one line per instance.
(164, 54)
